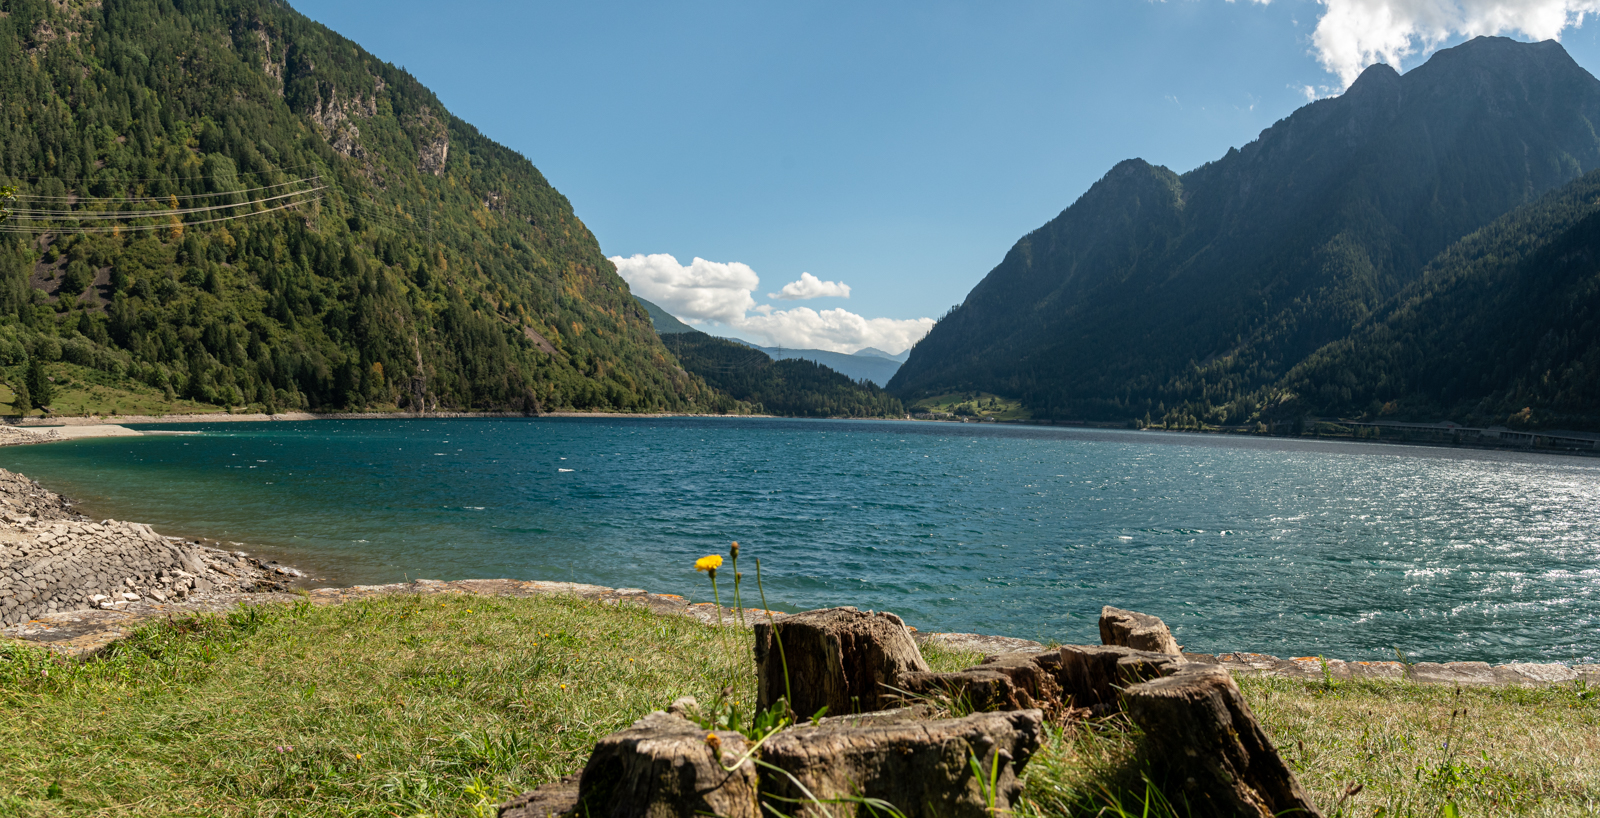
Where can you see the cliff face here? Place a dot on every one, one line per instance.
(1155, 290)
(411, 264)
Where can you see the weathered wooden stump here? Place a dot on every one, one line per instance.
(1139, 631)
(1207, 745)
(1012, 681)
(558, 799)
(924, 769)
(839, 658)
(1091, 676)
(664, 767)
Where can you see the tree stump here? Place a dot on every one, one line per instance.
(1139, 631)
(663, 767)
(1203, 739)
(1012, 681)
(558, 799)
(1090, 676)
(839, 658)
(924, 769)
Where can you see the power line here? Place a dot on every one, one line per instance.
(131, 200)
(378, 213)
(90, 216)
(156, 178)
(10, 228)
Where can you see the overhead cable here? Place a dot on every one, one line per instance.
(15, 228)
(110, 178)
(93, 200)
(20, 214)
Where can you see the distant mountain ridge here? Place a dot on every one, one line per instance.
(868, 364)
(1157, 292)
(878, 353)
(879, 369)
(779, 381)
(794, 387)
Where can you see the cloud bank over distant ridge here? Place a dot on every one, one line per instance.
(702, 291)
(836, 330)
(1353, 34)
(719, 293)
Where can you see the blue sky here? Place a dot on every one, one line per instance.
(894, 148)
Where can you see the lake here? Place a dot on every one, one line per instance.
(1290, 547)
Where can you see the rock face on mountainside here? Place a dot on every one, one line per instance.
(53, 559)
(1159, 293)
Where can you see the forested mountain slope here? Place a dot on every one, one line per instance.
(795, 387)
(415, 262)
(1158, 292)
(1502, 328)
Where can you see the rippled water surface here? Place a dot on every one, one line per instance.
(1284, 547)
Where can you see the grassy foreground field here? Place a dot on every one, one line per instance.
(407, 706)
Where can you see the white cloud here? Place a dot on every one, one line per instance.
(1353, 34)
(719, 293)
(836, 330)
(702, 291)
(809, 286)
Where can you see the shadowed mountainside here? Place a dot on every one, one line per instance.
(1157, 292)
(1504, 327)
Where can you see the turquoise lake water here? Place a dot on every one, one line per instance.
(1285, 547)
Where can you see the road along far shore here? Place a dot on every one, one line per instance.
(75, 586)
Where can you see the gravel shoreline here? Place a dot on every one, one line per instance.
(54, 560)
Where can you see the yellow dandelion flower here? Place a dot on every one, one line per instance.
(714, 742)
(708, 563)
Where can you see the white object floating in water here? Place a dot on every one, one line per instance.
(563, 469)
(1124, 538)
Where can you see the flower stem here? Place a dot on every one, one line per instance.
(717, 596)
(788, 694)
(738, 606)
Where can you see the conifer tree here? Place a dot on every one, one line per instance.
(20, 401)
(40, 390)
